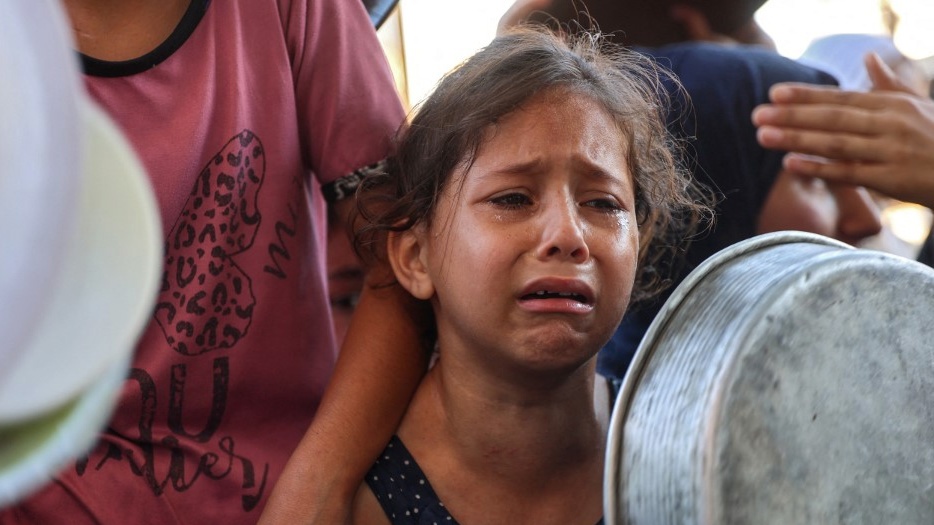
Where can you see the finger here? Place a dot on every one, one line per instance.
(835, 146)
(830, 170)
(865, 174)
(821, 117)
(882, 76)
(797, 93)
(875, 176)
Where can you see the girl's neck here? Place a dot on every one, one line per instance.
(472, 433)
(117, 30)
(484, 414)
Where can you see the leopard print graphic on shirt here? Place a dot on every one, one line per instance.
(219, 221)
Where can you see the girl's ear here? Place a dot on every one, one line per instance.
(408, 254)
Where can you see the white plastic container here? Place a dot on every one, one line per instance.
(41, 156)
(80, 253)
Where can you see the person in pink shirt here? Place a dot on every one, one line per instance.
(239, 111)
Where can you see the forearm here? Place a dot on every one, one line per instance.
(384, 356)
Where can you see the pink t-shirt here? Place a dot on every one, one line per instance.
(251, 105)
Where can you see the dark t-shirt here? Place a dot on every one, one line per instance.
(724, 84)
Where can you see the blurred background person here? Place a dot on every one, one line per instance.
(722, 83)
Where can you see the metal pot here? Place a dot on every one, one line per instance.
(788, 379)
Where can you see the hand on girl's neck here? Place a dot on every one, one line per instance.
(117, 30)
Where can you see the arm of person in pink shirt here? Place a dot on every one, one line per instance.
(383, 358)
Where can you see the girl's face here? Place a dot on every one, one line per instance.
(532, 252)
(843, 212)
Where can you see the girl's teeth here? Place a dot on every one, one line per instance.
(542, 293)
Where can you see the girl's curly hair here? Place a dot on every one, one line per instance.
(450, 125)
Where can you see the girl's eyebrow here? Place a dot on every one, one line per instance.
(519, 167)
(514, 169)
(599, 172)
(580, 164)
(601, 175)
(589, 169)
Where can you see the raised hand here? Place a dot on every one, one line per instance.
(883, 139)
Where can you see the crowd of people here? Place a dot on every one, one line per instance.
(515, 238)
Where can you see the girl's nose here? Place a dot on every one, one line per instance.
(859, 215)
(562, 232)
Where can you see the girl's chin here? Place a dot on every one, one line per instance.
(567, 351)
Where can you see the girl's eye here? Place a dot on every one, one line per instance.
(605, 205)
(511, 200)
